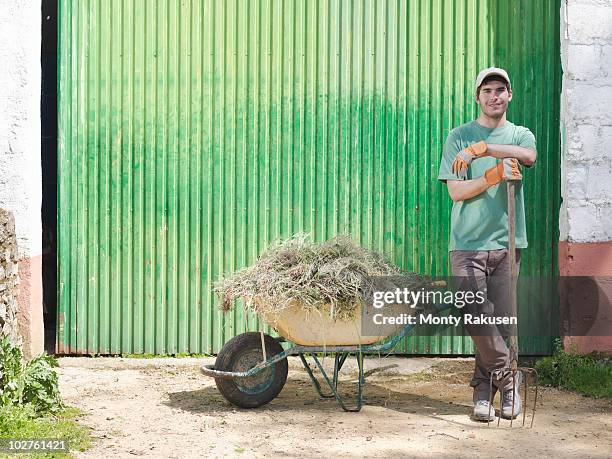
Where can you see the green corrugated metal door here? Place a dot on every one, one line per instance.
(193, 133)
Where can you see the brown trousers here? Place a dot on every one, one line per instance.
(488, 272)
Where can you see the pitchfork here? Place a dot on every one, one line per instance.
(514, 368)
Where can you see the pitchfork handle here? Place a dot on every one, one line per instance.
(512, 270)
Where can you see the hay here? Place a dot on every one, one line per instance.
(333, 274)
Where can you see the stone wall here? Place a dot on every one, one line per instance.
(9, 278)
(586, 121)
(585, 220)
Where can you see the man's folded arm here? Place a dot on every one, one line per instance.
(526, 156)
(461, 190)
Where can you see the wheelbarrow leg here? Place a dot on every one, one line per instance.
(339, 359)
(333, 383)
(361, 381)
(313, 378)
(360, 384)
(337, 366)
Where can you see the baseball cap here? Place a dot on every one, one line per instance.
(490, 72)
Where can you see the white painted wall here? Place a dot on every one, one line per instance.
(586, 121)
(20, 174)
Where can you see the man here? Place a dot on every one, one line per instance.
(478, 158)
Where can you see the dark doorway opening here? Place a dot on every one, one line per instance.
(48, 119)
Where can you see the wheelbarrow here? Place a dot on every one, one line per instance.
(251, 368)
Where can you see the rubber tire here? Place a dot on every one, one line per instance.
(228, 358)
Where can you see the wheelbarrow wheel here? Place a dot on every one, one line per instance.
(242, 353)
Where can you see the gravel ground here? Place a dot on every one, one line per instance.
(414, 407)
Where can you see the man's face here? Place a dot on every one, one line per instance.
(493, 99)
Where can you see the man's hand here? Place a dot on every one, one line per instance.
(508, 169)
(465, 157)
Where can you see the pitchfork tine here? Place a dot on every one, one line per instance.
(501, 404)
(490, 399)
(525, 401)
(526, 372)
(535, 400)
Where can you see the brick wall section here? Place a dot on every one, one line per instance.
(9, 278)
(586, 121)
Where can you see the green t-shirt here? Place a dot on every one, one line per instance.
(481, 223)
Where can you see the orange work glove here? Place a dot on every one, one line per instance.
(508, 169)
(465, 157)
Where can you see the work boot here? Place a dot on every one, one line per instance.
(509, 395)
(482, 408)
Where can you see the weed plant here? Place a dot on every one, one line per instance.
(587, 374)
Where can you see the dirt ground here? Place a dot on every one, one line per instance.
(418, 407)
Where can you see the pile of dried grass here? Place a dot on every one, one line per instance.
(332, 273)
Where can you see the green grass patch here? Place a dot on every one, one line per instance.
(30, 404)
(589, 375)
(22, 422)
(158, 356)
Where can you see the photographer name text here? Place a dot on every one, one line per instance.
(432, 319)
